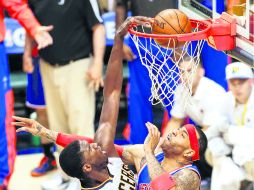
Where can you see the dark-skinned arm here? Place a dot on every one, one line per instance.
(104, 136)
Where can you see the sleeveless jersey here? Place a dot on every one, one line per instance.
(122, 177)
(143, 175)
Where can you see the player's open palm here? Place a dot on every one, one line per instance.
(28, 125)
(42, 36)
(152, 138)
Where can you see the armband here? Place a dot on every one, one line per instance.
(163, 182)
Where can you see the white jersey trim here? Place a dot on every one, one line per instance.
(95, 8)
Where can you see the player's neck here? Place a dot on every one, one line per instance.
(171, 164)
(100, 176)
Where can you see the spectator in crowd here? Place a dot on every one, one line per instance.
(70, 74)
(35, 100)
(18, 10)
(200, 108)
(236, 170)
(139, 107)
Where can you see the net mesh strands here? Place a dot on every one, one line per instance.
(168, 66)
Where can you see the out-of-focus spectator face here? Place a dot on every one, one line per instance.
(189, 73)
(241, 88)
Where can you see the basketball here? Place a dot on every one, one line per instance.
(171, 21)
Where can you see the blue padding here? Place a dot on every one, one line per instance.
(220, 6)
(214, 63)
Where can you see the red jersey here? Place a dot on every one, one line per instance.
(19, 10)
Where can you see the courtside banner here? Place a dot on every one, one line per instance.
(109, 23)
(14, 37)
(15, 33)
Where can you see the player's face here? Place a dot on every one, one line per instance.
(241, 89)
(176, 141)
(93, 154)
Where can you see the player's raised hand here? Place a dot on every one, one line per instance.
(28, 125)
(42, 36)
(139, 20)
(152, 138)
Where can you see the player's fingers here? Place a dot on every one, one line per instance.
(158, 134)
(97, 85)
(152, 125)
(22, 119)
(150, 129)
(48, 28)
(102, 82)
(91, 84)
(49, 40)
(39, 45)
(148, 126)
(19, 124)
(143, 19)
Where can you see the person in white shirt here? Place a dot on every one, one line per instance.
(238, 131)
(201, 106)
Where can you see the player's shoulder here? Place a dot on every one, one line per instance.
(187, 179)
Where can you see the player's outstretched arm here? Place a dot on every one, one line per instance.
(113, 83)
(131, 154)
(34, 127)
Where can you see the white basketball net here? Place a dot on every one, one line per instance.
(166, 77)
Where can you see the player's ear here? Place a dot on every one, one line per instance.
(87, 168)
(189, 153)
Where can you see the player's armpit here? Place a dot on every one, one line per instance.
(186, 179)
(132, 154)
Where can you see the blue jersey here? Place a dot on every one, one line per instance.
(143, 175)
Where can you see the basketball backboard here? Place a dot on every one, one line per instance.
(242, 10)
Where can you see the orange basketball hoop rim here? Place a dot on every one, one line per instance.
(220, 33)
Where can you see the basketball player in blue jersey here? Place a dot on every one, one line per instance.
(170, 165)
(98, 165)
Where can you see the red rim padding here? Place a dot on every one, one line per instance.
(203, 25)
